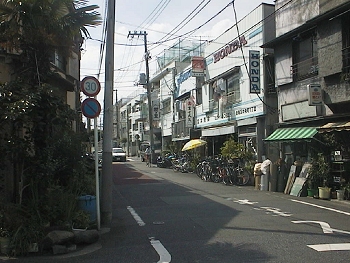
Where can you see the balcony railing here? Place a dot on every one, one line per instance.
(305, 69)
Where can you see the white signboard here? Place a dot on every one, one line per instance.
(315, 94)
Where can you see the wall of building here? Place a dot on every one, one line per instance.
(326, 5)
(292, 14)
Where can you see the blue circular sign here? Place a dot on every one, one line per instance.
(91, 108)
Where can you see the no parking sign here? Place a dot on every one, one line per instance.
(91, 108)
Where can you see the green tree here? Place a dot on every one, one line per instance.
(233, 149)
(36, 140)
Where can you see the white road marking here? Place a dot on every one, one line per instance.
(330, 247)
(164, 256)
(325, 227)
(245, 202)
(322, 207)
(136, 216)
(276, 211)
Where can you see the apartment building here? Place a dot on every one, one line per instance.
(238, 97)
(312, 63)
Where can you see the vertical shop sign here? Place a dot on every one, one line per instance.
(254, 71)
(156, 111)
(198, 66)
(189, 113)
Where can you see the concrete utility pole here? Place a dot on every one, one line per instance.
(148, 86)
(117, 118)
(106, 193)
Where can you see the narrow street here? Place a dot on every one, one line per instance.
(164, 216)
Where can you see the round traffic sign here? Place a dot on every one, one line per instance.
(90, 86)
(91, 108)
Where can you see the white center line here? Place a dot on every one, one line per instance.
(164, 256)
(323, 207)
(136, 216)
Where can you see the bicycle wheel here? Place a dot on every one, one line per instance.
(206, 174)
(199, 170)
(226, 178)
(242, 176)
(215, 177)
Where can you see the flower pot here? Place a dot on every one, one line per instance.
(324, 192)
(340, 194)
(311, 192)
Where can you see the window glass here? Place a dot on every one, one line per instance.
(233, 89)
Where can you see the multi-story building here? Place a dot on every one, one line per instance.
(133, 121)
(238, 96)
(228, 98)
(312, 65)
(66, 76)
(168, 80)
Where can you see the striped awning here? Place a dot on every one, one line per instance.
(292, 134)
(335, 126)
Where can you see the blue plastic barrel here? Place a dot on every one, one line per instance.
(87, 203)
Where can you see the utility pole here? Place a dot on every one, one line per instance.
(117, 118)
(106, 193)
(148, 86)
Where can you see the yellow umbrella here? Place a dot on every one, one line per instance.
(192, 144)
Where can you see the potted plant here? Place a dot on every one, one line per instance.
(340, 192)
(320, 175)
(312, 184)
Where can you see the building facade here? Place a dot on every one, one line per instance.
(238, 95)
(312, 63)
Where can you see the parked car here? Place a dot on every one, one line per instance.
(118, 154)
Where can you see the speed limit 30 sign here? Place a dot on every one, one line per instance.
(90, 86)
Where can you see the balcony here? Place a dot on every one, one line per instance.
(305, 69)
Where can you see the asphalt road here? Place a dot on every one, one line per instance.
(165, 216)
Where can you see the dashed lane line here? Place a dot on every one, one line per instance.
(164, 256)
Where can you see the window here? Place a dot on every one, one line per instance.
(58, 60)
(233, 89)
(305, 61)
(167, 106)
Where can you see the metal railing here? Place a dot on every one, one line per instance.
(305, 69)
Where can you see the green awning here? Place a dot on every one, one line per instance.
(292, 134)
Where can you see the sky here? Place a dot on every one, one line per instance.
(164, 21)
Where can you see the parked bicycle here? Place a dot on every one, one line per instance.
(238, 174)
(218, 169)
